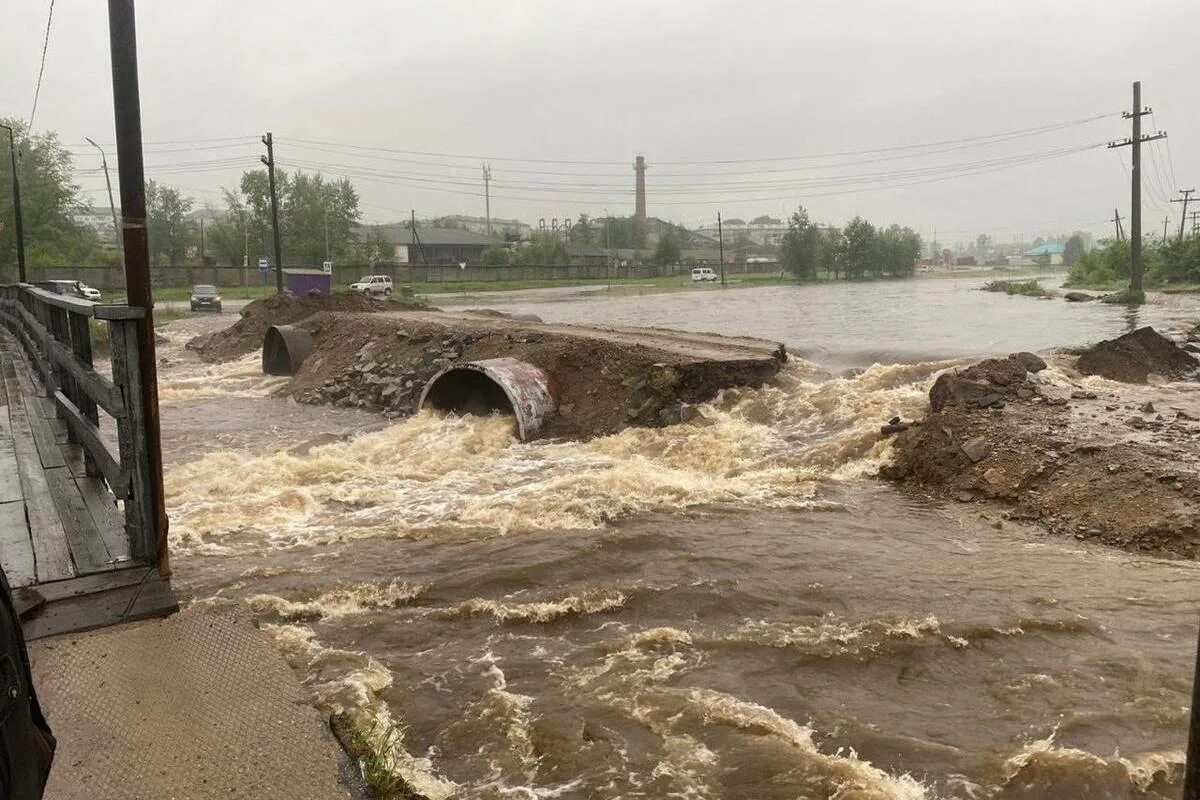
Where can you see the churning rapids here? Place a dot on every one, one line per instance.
(731, 609)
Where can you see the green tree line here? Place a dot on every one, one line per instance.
(855, 251)
(1175, 261)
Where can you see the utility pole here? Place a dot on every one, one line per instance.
(1187, 195)
(487, 195)
(1117, 221)
(202, 240)
(269, 160)
(416, 239)
(327, 233)
(16, 193)
(132, 180)
(1195, 221)
(108, 183)
(1135, 211)
(721, 246)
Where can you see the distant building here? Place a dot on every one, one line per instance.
(509, 229)
(446, 246)
(1046, 254)
(100, 221)
(763, 234)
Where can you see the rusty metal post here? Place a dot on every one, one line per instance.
(131, 177)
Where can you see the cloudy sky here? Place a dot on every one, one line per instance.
(966, 117)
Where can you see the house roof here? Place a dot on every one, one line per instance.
(1046, 250)
(401, 234)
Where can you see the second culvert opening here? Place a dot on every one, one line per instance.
(468, 391)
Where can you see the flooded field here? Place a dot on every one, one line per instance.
(731, 609)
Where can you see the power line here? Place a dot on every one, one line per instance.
(474, 157)
(37, 92)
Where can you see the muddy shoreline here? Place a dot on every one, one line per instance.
(1108, 457)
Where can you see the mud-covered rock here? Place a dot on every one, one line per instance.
(1132, 358)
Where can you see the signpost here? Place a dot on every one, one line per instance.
(327, 267)
(264, 267)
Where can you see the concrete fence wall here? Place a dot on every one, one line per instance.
(113, 278)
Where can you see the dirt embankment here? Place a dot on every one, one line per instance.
(604, 384)
(1114, 464)
(246, 335)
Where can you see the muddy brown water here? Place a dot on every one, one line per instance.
(733, 609)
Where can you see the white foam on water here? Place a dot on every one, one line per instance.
(349, 682)
(770, 447)
(242, 377)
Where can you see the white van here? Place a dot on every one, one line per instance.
(700, 274)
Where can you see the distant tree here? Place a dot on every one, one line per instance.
(861, 253)
(167, 228)
(982, 243)
(1073, 250)
(226, 238)
(375, 248)
(832, 251)
(49, 199)
(898, 251)
(544, 249)
(801, 246)
(495, 256)
(305, 203)
(667, 251)
(581, 231)
(624, 233)
(765, 219)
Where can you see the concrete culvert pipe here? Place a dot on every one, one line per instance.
(495, 385)
(284, 349)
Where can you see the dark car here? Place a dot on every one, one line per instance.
(205, 298)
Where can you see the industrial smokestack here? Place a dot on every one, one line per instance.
(639, 211)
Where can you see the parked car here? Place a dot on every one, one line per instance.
(73, 288)
(206, 298)
(703, 274)
(373, 284)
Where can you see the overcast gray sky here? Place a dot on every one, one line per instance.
(676, 81)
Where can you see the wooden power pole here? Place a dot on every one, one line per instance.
(16, 193)
(132, 180)
(1117, 221)
(1187, 196)
(269, 160)
(1135, 211)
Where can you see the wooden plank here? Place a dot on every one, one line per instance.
(129, 603)
(47, 446)
(76, 305)
(140, 517)
(51, 554)
(100, 582)
(109, 521)
(87, 547)
(95, 385)
(16, 548)
(10, 479)
(89, 436)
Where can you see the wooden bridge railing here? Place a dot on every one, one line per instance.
(56, 333)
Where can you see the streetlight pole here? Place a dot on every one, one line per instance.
(112, 207)
(16, 192)
(327, 233)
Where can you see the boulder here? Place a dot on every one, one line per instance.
(1078, 297)
(1031, 361)
(951, 389)
(998, 371)
(976, 449)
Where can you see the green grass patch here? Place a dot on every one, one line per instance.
(1023, 288)
(374, 748)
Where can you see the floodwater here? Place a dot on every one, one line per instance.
(729, 609)
(851, 324)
